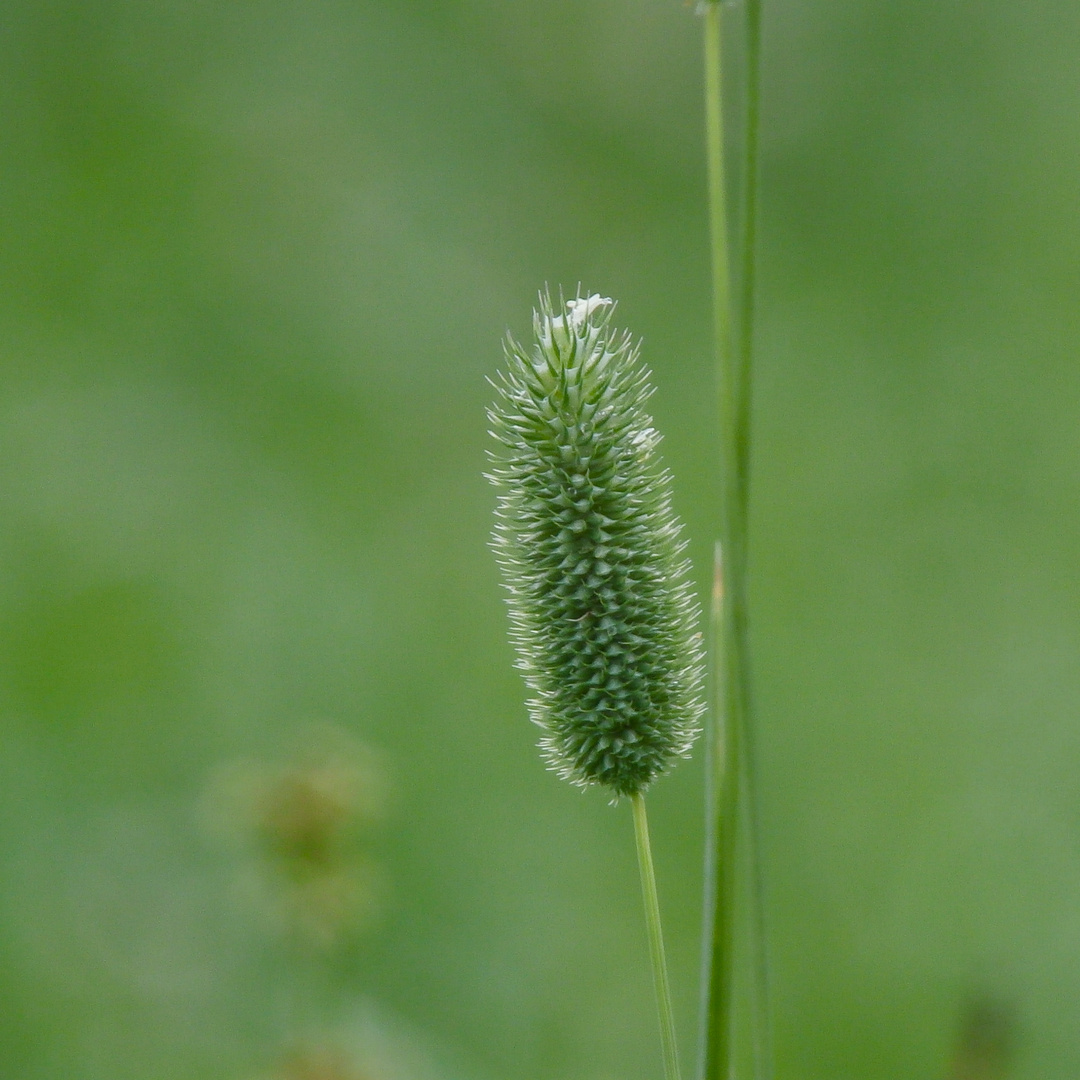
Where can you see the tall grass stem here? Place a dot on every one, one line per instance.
(761, 1022)
(729, 758)
(762, 1030)
(656, 939)
(721, 779)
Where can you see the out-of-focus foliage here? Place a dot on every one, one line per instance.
(255, 260)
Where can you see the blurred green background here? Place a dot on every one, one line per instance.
(255, 262)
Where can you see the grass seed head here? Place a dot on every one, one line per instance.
(602, 612)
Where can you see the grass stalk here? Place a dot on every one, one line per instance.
(730, 747)
(721, 779)
(747, 305)
(656, 939)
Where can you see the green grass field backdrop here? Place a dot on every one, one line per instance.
(256, 259)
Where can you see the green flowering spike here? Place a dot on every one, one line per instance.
(602, 611)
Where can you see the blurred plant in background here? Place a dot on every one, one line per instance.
(320, 1065)
(984, 1045)
(298, 829)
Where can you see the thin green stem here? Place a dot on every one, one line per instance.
(714, 826)
(730, 763)
(747, 302)
(747, 298)
(718, 232)
(656, 939)
(722, 751)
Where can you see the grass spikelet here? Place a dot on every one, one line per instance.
(602, 613)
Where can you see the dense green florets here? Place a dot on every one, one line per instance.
(601, 607)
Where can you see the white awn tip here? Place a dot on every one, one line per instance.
(580, 310)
